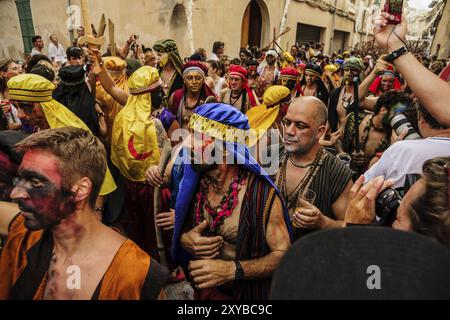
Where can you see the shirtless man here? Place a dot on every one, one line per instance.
(214, 200)
(58, 231)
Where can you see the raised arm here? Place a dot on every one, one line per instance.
(105, 79)
(433, 92)
(368, 103)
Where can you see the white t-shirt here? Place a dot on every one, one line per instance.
(57, 53)
(219, 86)
(213, 56)
(407, 157)
(35, 51)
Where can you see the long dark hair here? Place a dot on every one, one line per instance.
(4, 65)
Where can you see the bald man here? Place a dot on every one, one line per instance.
(314, 183)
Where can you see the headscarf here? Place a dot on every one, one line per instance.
(132, 66)
(34, 88)
(261, 118)
(354, 63)
(264, 64)
(290, 73)
(375, 86)
(241, 72)
(288, 59)
(74, 93)
(116, 69)
(225, 123)
(200, 68)
(169, 46)
(134, 146)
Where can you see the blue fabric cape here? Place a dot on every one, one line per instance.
(228, 115)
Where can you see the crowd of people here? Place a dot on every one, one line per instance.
(145, 169)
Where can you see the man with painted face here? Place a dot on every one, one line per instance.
(306, 167)
(386, 81)
(195, 92)
(239, 95)
(290, 78)
(70, 254)
(170, 66)
(255, 82)
(231, 229)
(268, 69)
(313, 84)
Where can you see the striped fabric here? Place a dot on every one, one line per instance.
(251, 239)
(328, 184)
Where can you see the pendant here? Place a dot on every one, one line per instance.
(345, 104)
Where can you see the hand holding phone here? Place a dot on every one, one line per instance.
(394, 8)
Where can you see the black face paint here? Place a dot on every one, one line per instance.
(46, 205)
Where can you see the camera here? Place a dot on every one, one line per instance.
(386, 206)
(388, 201)
(399, 123)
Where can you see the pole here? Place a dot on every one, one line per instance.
(356, 111)
(165, 157)
(86, 17)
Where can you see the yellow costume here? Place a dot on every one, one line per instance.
(34, 88)
(134, 146)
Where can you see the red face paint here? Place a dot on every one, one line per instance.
(43, 200)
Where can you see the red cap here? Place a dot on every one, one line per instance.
(238, 71)
(290, 71)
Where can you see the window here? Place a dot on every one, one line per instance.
(26, 23)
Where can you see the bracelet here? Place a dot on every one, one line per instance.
(395, 54)
(100, 209)
(239, 273)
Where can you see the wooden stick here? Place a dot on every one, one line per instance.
(102, 26)
(112, 44)
(86, 17)
(279, 36)
(165, 157)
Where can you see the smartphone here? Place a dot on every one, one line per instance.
(394, 8)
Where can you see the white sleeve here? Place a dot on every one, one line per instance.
(381, 168)
(52, 51)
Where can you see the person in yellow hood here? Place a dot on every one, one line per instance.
(136, 141)
(32, 94)
(116, 68)
(268, 116)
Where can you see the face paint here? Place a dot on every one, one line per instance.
(349, 74)
(163, 59)
(387, 83)
(42, 199)
(310, 79)
(194, 80)
(202, 152)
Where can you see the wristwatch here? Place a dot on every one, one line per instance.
(397, 53)
(239, 273)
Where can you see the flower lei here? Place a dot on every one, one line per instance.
(226, 205)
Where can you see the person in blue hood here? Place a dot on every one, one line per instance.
(231, 225)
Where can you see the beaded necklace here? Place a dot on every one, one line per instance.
(291, 199)
(226, 206)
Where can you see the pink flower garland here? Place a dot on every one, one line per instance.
(226, 206)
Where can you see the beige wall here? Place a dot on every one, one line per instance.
(11, 44)
(212, 20)
(442, 35)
